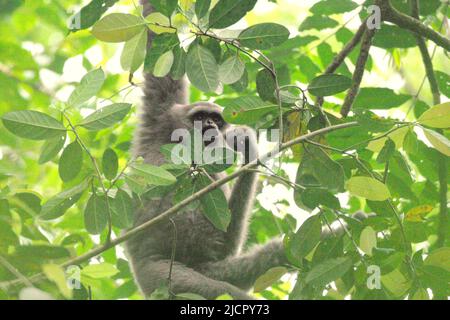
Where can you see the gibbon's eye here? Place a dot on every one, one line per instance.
(218, 120)
(198, 116)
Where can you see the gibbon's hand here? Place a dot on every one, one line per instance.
(243, 140)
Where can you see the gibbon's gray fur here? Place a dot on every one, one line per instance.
(208, 262)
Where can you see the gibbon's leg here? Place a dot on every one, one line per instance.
(152, 274)
(243, 270)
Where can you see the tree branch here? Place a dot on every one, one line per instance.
(166, 215)
(404, 21)
(359, 72)
(340, 57)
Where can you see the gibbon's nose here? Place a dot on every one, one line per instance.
(209, 123)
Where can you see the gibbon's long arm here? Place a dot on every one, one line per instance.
(242, 196)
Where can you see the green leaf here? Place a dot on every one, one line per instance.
(265, 85)
(118, 27)
(106, 117)
(154, 175)
(329, 7)
(438, 141)
(179, 63)
(110, 164)
(89, 86)
(228, 12)
(164, 64)
(245, 110)
(390, 36)
(329, 84)
(214, 204)
(269, 278)
(202, 69)
(368, 240)
(436, 117)
(32, 125)
(387, 152)
(202, 8)
(317, 169)
(96, 214)
(122, 210)
(99, 271)
(318, 23)
(306, 238)
(71, 162)
(264, 36)
(167, 7)
(42, 251)
(133, 53)
(379, 98)
(439, 258)
(328, 271)
(443, 80)
(90, 14)
(58, 205)
(51, 148)
(368, 188)
(231, 70)
(160, 44)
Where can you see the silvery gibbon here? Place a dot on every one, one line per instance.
(208, 262)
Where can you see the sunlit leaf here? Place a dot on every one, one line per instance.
(133, 54)
(368, 188)
(231, 70)
(32, 125)
(99, 271)
(89, 86)
(269, 278)
(368, 240)
(439, 142)
(118, 27)
(164, 64)
(106, 117)
(437, 117)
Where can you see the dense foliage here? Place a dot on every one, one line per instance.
(69, 186)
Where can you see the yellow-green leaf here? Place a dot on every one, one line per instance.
(269, 278)
(437, 117)
(99, 271)
(133, 53)
(438, 141)
(417, 214)
(368, 188)
(56, 274)
(368, 240)
(118, 27)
